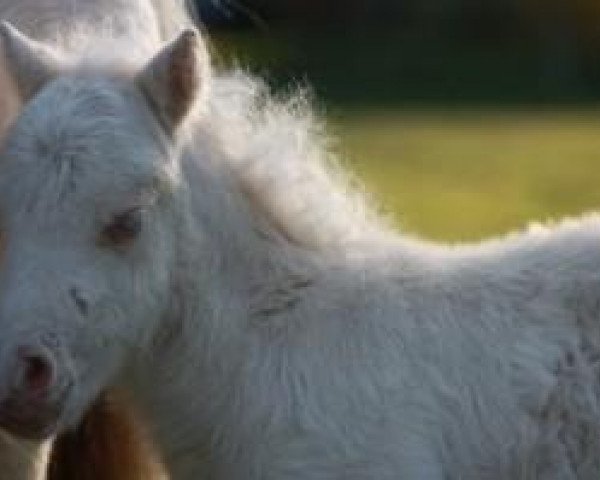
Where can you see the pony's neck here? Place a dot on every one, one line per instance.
(237, 271)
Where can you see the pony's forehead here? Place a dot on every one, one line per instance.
(84, 117)
(82, 136)
(74, 106)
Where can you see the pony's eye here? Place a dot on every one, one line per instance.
(123, 228)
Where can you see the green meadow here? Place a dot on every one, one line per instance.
(464, 176)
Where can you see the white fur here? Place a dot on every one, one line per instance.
(266, 322)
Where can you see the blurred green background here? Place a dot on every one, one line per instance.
(465, 118)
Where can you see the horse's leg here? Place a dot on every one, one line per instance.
(22, 460)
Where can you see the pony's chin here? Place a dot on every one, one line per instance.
(29, 429)
(39, 421)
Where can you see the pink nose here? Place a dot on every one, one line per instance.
(35, 371)
(34, 395)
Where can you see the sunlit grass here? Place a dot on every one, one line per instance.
(464, 176)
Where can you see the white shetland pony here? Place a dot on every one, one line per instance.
(182, 237)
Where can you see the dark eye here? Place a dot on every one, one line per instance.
(123, 228)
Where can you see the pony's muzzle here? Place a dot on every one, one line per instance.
(35, 371)
(34, 392)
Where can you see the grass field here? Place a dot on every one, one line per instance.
(466, 175)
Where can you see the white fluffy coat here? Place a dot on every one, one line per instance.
(276, 329)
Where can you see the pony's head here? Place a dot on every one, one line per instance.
(89, 183)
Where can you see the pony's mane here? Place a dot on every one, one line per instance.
(284, 164)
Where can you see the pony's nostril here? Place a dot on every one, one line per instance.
(37, 372)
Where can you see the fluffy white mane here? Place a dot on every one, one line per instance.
(282, 158)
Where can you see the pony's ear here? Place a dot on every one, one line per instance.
(175, 78)
(31, 63)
